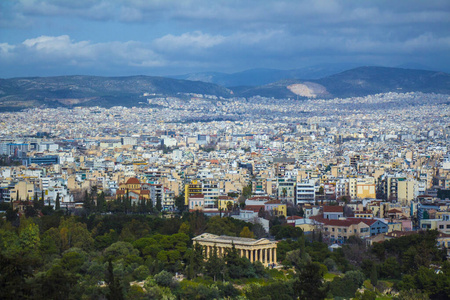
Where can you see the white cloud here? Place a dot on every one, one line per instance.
(195, 39)
(64, 51)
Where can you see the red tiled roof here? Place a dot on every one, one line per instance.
(225, 198)
(255, 208)
(394, 211)
(197, 196)
(294, 218)
(273, 202)
(260, 198)
(329, 209)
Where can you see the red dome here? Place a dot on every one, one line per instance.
(133, 181)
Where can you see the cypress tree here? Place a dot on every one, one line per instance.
(115, 288)
(158, 203)
(57, 204)
(374, 275)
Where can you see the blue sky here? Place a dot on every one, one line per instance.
(166, 37)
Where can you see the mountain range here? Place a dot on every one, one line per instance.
(69, 91)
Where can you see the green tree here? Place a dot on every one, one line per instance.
(247, 191)
(164, 279)
(57, 203)
(101, 202)
(115, 290)
(309, 283)
(158, 203)
(374, 275)
(214, 267)
(179, 202)
(246, 233)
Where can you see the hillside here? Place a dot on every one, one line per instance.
(355, 82)
(17, 93)
(69, 91)
(259, 77)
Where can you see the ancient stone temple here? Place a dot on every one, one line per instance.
(262, 250)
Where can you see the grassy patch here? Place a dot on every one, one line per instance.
(329, 276)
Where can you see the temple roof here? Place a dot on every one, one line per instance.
(225, 239)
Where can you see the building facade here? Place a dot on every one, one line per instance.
(262, 250)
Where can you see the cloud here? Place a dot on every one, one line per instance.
(62, 51)
(139, 35)
(235, 13)
(187, 40)
(199, 50)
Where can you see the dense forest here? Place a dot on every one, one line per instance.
(95, 255)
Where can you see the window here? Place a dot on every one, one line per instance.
(339, 230)
(441, 226)
(332, 229)
(345, 230)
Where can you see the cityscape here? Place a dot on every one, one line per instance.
(374, 167)
(255, 150)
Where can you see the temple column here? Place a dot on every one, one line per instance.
(270, 255)
(265, 256)
(275, 255)
(252, 255)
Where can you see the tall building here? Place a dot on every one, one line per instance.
(305, 192)
(191, 189)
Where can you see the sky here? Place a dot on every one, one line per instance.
(167, 37)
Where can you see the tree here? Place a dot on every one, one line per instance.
(57, 204)
(374, 275)
(247, 191)
(309, 283)
(214, 267)
(101, 202)
(158, 203)
(246, 233)
(301, 212)
(114, 286)
(179, 202)
(321, 190)
(164, 279)
(149, 205)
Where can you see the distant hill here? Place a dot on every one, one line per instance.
(258, 77)
(18, 93)
(69, 91)
(360, 81)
